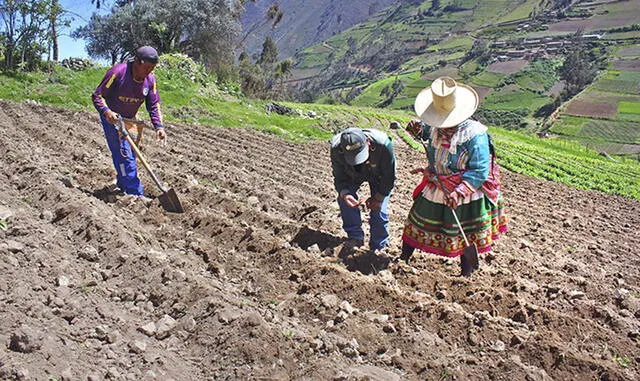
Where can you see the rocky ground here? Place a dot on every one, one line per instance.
(252, 281)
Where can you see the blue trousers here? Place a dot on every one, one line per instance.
(378, 221)
(124, 160)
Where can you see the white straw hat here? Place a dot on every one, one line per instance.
(446, 103)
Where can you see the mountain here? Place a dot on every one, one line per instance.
(511, 52)
(304, 22)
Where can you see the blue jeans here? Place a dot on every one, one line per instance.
(378, 221)
(124, 160)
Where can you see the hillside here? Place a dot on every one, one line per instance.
(515, 69)
(252, 283)
(304, 23)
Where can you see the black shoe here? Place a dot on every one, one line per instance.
(407, 251)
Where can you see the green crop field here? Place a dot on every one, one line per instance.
(539, 75)
(511, 99)
(629, 107)
(487, 79)
(626, 82)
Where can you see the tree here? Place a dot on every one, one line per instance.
(479, 50)
(25, 31)
(102, 39)
(269, 53)
(274, 13)
(205, 30)
(55, 20)
(283, 69)
(577, 71)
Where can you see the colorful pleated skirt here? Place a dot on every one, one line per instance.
(431, 225)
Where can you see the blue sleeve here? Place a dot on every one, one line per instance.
(479, 161)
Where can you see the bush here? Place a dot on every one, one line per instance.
(176, 66)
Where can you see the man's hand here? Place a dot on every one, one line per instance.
(351, 201)
(373, 204)
(161, 135)
(111, 117)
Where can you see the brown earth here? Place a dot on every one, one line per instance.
(252, 282)
(627, 65)
(593, 109)
(507, 67)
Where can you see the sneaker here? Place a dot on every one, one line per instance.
(114, 188)
(383, 253)
(353, 243)
(144, 198)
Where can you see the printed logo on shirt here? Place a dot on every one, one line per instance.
(129, 99)
(145, 91)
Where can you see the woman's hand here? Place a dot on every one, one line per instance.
(414, 127)
(418, 170)
(452, 199)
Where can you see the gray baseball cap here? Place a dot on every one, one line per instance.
(147, 54)
(354, 146)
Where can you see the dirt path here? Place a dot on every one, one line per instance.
(252, 283)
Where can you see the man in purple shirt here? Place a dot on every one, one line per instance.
(122, 91)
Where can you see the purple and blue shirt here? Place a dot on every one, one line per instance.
(120, 93)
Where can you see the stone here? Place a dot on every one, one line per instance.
(67, 375)
(148, 329)
(329, 301)
(228, 315)
(14, 246)
(368, 372)
(5, 213)
(63, 280)
(346, 307)
(89, 253)
(25, 340)
(164, 327)
(137, 346)
(189, 324)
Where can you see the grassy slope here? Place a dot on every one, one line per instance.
(186, 101)
(526, 89)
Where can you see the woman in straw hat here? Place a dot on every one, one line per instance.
(461, 180)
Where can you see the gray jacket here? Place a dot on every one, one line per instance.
(379, 170)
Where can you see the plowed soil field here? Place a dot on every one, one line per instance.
(252, 282)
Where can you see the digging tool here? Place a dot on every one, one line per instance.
(168, 199)
(469, 258)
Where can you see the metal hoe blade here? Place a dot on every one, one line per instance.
(170, 202)
(469, 260)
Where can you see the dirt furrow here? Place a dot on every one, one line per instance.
(258, 286)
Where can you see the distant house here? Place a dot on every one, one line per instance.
(592, 37)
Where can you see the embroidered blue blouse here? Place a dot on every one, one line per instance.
(470, 155)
